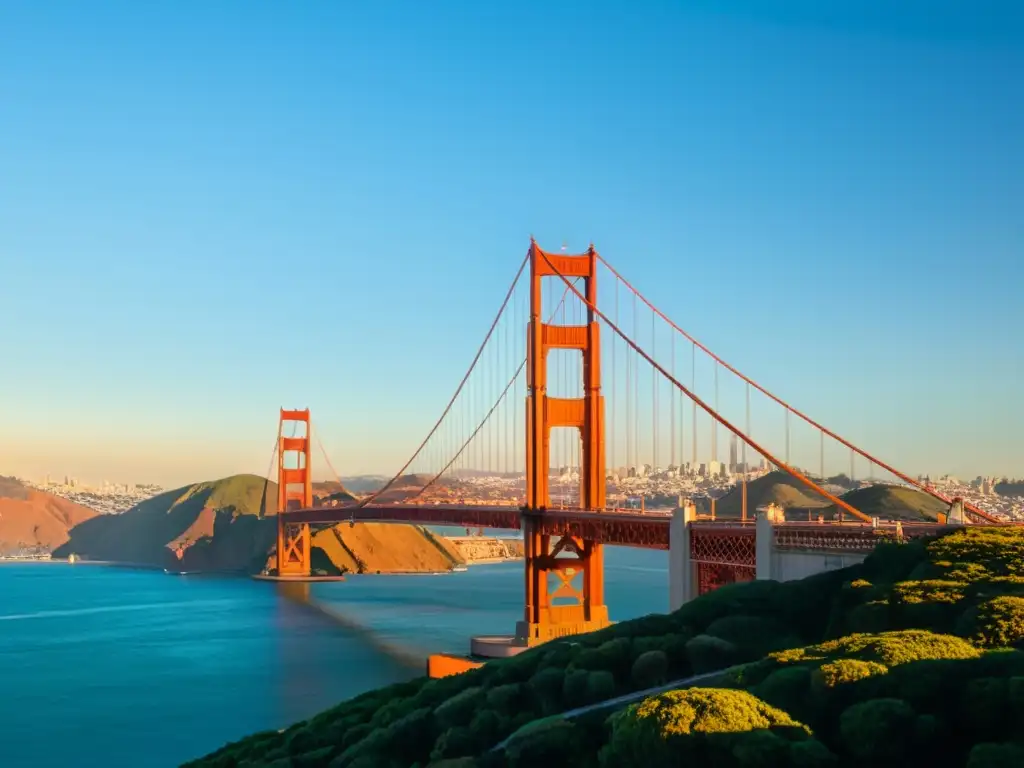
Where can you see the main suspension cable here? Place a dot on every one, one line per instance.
(764, 452)
(462, 383)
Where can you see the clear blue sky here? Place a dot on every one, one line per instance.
(208, 210)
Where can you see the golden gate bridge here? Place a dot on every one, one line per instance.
(578, 369)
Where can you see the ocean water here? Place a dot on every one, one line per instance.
(103, 666)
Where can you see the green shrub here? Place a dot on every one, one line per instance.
(314, 758)
(546, 687)
(453, 762)
(558, 654)
(1005, 755)
(1000, 551)
(995, 623)
(649, 669)
(872, 616)
(488, 726)
(890, 562)
(410, 736)
(616, 657)
(785, 688)
(549, 743)
(575, 688)
(753, 636)
(506, 698)
(845, 671)
(930, 604)
(460, 708)
(888, 648)
(880, 731)
(698, 724)
(454, 742)
(600, 685)
(984, 707)
(707, 653)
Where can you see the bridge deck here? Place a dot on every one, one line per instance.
(649, 530)
(631, 529)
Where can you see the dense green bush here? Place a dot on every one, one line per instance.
(650, 669)
(1005, 755)
(995, 623)
(460, 708)
(883, 731)
(709, 653)
(706, 726)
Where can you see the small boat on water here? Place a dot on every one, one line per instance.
(459, 569)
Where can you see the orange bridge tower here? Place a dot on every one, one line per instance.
(579, 607)
(294, 491)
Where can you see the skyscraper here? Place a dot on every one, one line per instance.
(733, 452)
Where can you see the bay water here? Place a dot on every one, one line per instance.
(106, 666)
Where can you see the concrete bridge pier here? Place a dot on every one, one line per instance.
(682, 571)
(770, 549)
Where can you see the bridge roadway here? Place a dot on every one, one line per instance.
(648, 529)
(629, 529)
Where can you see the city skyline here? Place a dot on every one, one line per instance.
(259, 210)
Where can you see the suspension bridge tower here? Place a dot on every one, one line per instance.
(570, 608)
(294, 491)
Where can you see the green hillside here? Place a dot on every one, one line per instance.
(774, 488)
(890, 502)
(218, 524)
(231, 525)
(910, 658)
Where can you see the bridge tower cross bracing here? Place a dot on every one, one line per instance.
(294, 491)
(586, 610)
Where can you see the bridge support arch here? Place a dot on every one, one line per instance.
(548, 550)
(294, 491)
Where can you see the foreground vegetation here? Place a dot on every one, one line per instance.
(907, 659)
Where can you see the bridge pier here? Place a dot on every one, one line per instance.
(682, 571)
(293, 549)
(585, 610)
(705, 555)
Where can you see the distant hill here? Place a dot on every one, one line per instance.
(774, 488)
(230, 525)
(891, 502)
(31, 519)
(1010, 488)
(364, 483)
(888, 502)
(331, 490)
